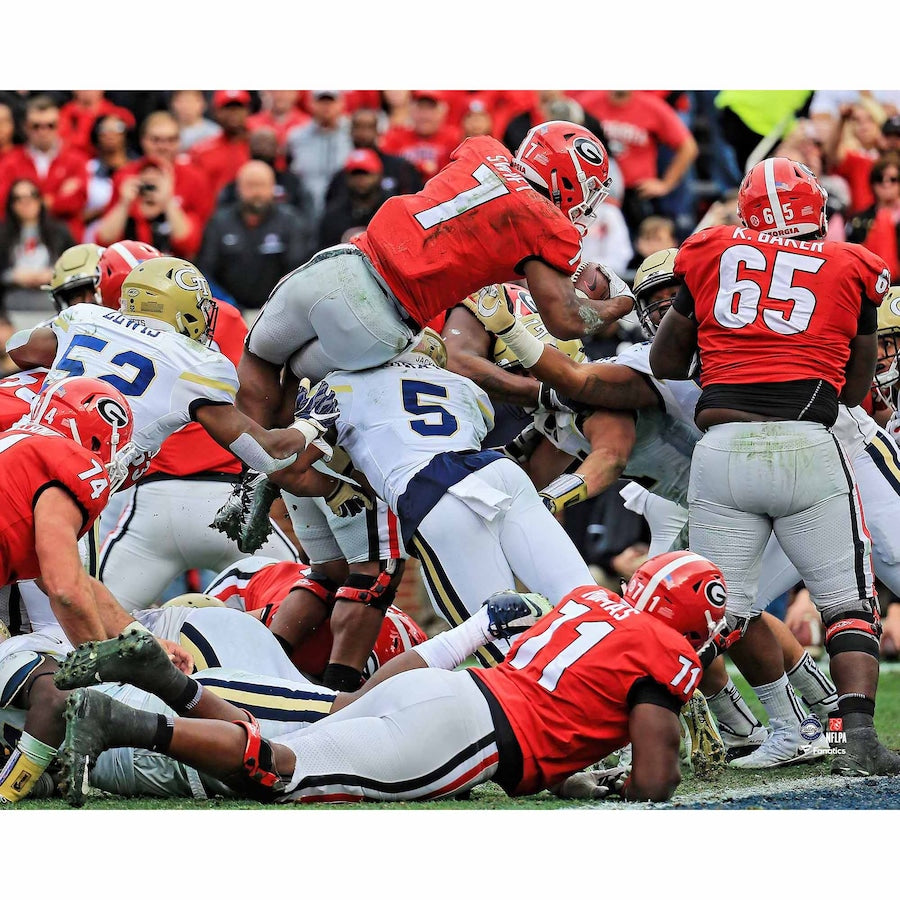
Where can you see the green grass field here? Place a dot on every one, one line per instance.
(489, 796)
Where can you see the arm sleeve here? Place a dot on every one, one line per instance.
(648, 690)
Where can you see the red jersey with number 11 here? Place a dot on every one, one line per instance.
(565, 683)
(29, 463)
(475, 223)
(773, 309)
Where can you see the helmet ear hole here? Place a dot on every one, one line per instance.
(96, 445)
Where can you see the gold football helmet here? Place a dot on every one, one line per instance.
(887, 372)
(655, 272)
(76, 269)
(432, 344)
(506, 359)
(171, 290)
(194, 601)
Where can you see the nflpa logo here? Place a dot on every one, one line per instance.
(835, 724)
(836, 733)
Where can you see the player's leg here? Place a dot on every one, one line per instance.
(462, 563)
(370, 541)
(732, 487)
(837, 571)
(140, 556)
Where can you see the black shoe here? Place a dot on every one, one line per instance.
(865, 755)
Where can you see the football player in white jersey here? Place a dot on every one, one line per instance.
(155, 351)
(471, 516)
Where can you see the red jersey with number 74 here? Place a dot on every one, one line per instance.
(565, 683)
(30, 463)
(474, 223)
(773, 309)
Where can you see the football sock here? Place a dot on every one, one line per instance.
(814, 687)
(734, 716)
(781, 704)
(450, 648)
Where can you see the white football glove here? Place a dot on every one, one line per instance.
(493, 309)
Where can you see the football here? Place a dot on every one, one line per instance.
(590, 280)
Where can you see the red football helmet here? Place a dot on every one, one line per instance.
(116, 261)
(782, 197)
(684, 590)
(568, 164)
(398, 633)
(87, 410)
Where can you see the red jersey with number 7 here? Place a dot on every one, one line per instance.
(30, 463)
(566, 683)
(474, 223)
(16, 393)
(773, 309)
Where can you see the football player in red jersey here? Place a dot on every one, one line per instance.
(785, 325)
(590, 675)
(488, 216)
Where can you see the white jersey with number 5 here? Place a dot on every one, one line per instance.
(164, 375)
(396, 418)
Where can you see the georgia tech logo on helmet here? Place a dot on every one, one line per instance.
(715, 593)
(112, 411)
(895, 305)
(589, 150)
(191, 280)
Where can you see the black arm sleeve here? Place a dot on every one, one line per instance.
(868, 317)
(648, 690)
(684, 302)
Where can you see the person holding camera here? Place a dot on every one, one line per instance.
(148, 210)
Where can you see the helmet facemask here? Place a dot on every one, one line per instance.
(887, 373)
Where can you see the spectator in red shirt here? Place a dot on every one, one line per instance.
(280, 112)
(221, 157)
(636, 124)
(159, 138)
(147, 209)
(878, 226)
(110, 140)
(428, 143)
(77, 117)
(477, 119)
(60, 172)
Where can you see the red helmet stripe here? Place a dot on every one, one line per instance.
(646, 595)
(772, 191)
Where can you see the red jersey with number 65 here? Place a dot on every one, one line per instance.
(773, 309)
(567, 684)
(29, 463)
(474, 223)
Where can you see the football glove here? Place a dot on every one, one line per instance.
(348, 499)
(244, 517)
(594, 784)
(548, 398)
(494, 309)
(520, 448)
(511, 612)
(565, 491)
(316, 410)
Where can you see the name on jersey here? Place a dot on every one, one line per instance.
(504, 168)
(131, 323)
(615, 607)
(747, 234)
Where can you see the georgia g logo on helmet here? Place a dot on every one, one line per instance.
(589, 151)
(715, 593)
(112, 412)
(192, 280)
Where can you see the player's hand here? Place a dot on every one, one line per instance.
(594, 784)
(493, 308)
(316, 410)
(348, 499)
(892, 426)
(181, 659)
(548, 398)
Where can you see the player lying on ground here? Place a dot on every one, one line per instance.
(593, 674)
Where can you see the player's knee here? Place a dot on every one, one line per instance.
(377, 591)
(320, 586)
(854, 630)
(257, 777)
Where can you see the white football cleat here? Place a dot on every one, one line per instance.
(784, 747)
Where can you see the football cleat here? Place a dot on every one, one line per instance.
(865, 755)
(783, 747)
(707, 749)
(131, 657)
(90, 719)
(244, 517)
(511, 612)
(742, 745)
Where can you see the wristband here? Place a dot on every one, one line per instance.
(523, 343)
(567, 490)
